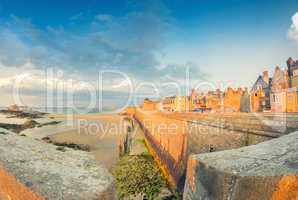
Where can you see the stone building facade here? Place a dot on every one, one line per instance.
(279, 87)
(284, 94)
(176, 104)
(260, 93)
(292, 92)
(182, 103)
(292, 100)
(292, 72)
(245, 101)
(232, 99)
(276, 94)
(279, 93)
(197, 102)
(193, 101)
(168, 104)
(214, 101)
(149, 105)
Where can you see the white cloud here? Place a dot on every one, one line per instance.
(127, 43)
(293, 31)
(122, 84)
(130, 43)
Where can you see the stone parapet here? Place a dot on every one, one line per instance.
(266, 171)
(11, 188)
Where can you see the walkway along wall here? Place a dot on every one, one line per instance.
(166, 141)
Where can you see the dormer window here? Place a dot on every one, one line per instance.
(295, 72)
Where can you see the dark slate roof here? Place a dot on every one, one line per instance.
(295, 64)
(260, 82)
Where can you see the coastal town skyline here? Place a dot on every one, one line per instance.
(271, 92)
(216, 46)
(149, 99)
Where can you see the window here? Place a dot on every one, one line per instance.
(277, 99)
(295, 72)
(290, 98)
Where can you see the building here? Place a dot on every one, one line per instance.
(292, 72)
(232, 99)
(292, 92)
(176, 104)
(168, 104)
(197, 102)
(245, 101)
(292, 100)
(193, 101)
(149, 105)
(182, 103)
(214, 101)
(260, 94)
(282, 88)
(279, 89)
(284, 94)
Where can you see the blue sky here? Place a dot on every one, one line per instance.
(224, 42)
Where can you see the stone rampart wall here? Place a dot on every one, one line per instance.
(173, 137)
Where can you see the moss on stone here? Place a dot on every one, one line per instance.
(138, 175)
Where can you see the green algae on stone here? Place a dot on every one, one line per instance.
(138, 175)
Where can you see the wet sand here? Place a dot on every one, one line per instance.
(102, 133)
(93, 116)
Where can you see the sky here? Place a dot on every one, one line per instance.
(138, 46)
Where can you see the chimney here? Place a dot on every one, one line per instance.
(277, 68)
(266, 76)
(290, 62)
(239, 90)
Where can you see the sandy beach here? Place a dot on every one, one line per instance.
(101, 133)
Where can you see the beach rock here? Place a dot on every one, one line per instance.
(54, 174)
(29, 123)
(22, 114)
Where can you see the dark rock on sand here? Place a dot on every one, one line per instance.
(22, 114)
(74, 146)
(30, 123)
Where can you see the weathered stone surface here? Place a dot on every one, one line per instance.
(268, 170)
(54, 174)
